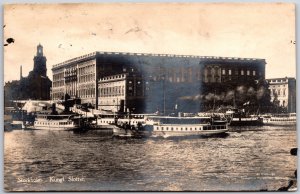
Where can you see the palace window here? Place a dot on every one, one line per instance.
(236, 72)
(248, 72)
(254, 73)
(229, 72)
(223, 72)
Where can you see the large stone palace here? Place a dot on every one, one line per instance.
(139, 82)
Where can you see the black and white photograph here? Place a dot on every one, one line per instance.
(149, 97)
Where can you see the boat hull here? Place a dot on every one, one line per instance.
(166, 134)
(51, 128)
(120, 132)
(157, 131)
(246, 122)
(108, 126)
(280, 122)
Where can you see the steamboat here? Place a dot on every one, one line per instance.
(185, 126)
(56, 122)
(167, 126)
(237, 117)
(280, 119)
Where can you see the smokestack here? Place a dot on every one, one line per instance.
(21, 72)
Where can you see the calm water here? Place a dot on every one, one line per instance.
(252, 158)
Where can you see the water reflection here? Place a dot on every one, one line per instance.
(254, 158)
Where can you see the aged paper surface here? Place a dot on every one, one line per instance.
(83, 81)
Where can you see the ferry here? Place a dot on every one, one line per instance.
(280, 119)
(108, 121)
(166, 126)
(56, 122)
(237, 117)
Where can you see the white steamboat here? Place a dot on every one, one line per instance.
(56, 122)
(280, 119)
(185, 126)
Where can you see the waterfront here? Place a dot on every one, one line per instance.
(249, 158)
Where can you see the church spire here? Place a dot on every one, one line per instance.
(39, 51)
(39, 67)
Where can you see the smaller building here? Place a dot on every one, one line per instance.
(283, 92)
(36, 86)
(121, 93)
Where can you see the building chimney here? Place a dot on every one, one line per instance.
(21, 72)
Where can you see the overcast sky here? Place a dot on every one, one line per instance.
(230, 30)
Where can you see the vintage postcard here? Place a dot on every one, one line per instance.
(150, 97)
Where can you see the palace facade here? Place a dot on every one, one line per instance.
(121, 93)
(283, 92)
(165, 80)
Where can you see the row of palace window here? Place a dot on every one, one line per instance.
(57, 95)
(87, 78)
(86, 92)
(70, 72)
(242, 72)
(58, 77)
(114, 77)
(87, 69)
(112, 91)
(177, 79)
(278, 92)
(58, 83)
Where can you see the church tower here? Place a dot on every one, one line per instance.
(39, 67)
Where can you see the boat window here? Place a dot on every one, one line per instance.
(162, 128)
(172, 128)
(167, 128)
